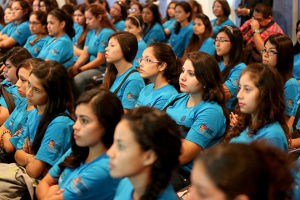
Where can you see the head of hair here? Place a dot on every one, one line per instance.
(129, 46)
(155, 130)
(2, 16)
(52, 75)
(225, 7)
(26, 9)
(297, 44)
(68, 8)
(236, 50)
(41, 16)
(50, 5)
(187, 9)
(17, 55)
(139, 5)
(156, 17)
(100, 2)
(81, 39)
(29, 63)
(108, 109)
(197, 5)
(123, 7)
(285, 56)
(256, 170)
(168, 17)
(62, 16)
(264, 9)
(136, 20)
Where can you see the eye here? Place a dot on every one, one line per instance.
(120, 146)
(191, 73)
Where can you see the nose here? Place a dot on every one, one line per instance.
(183, 76)
(239, 94)
(110, 151)
(28, 92)
(76, 125)
(18, 83)
(5, 69)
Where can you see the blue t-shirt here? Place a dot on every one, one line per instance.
(78, 31)
(1, 27)
(125, 190)
(180, 40)
(206, 121)
(297, 66)
(56, 140)
(169, 23)
(130, 90)
(60, 50)
(120, 25)
(141, 47)
(9, 28)
(272, 133)
(21, 33)
(208, 46)
(97, 43)
(232, 82)
(12, 89)
(155, 34)
(88, 181)
(291, 96)
(156, 97)
(218, 27)
(35, 49)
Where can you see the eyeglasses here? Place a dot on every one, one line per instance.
(34, 23)
(217, 7)
(147, 60)
(221, 40)
(132, 9)
(16, 9)
(269, 52)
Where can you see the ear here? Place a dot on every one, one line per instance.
(140, 29)
(99, 18)
(162, 66)
(242, 197)
(149, 158)
(63, 24)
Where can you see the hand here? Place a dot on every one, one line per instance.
(242, 12)
(73, 71)
(233, 119)
(254, 25)
(27, 147)
(54, 193)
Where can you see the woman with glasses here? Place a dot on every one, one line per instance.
(136, 9)
(221, 10)
(118, 13)
(159, 65)
(297, 54)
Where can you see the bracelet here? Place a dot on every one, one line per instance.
(7, 131)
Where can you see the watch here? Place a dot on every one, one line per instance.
(257, 31)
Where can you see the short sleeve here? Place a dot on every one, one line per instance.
(55, 170)
(131, 93)
(22, 33)
(104, 41)
(61, 51)
(233, 79)
(291, 96)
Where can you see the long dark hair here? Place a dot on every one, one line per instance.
(297, 44)
(2, 16)
(81, 39)
(156, 17)
(52, 75)
(129, 46)
(123, 13)
(108, 109)
(236, 50)
(50, 5)
(155, 130)
(187, 9)
(26, 9)
(226, 10)
(168, 17)
(63, 16)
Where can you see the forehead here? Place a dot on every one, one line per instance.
(198, 21)
(34, 81)
(270, 45)
(84, 109)
(258, 15)
(52, 18)
(222, 35)
(188, 65)
(148, 52)
(16, 4)
(123, 132)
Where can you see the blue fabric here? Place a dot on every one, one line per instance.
(206, 121)
(35, 49)
(120, 25)
(291, 96)
(78, 31)
(232, 82)
(180, 40)
(169, 23)
(9, 28)
(125, 190)
(155, 34)
(60, 50)
(208, 46)
(12, 89)
(141, 47)
(88, 181)
(156, 97)
(218, 27)
(130, 90)
(1, 27)
(272, 133)
(21, 33)
(97, 43)
(297, 66)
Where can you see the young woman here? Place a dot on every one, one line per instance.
(229, 44)
(153, 31)
(90, 62)
(145, 150)
(255, 171)
(80, 27)
(261, 103)
(200, 109)
(159, 65)
(36, 5)
(97, 112)
(134, 25)
(59, 48)
(118, 13)
(196, 8)
(121, 77)
(297, 54)
(136, 9)
(48, 5)
(221, 10)
(170, 16)
(201, 39)
(38, 29)
(16, 32)
(7, 16)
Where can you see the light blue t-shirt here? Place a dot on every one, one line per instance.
(131, 88)
(60, 50)
(216, 28)
(120, 25)
(12, 89)
(232, 82)
(35, 49)
(156, 97)
(88, 181)
(9, 28)
(291, 96)
(78, 31)
(206, 121)
(272, 133)
(155, 34)
(1, 27)
(297, 66)
(141, 47)
(21, 33)
(169, 23)
(125, 190)
(180, 40)
(208, 46)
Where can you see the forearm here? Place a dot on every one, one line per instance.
(93, 64)
(8, 43)
(23, 158)
(7, 145)
(77, 51)
(258, 41)
(82, 59)
(43, 187)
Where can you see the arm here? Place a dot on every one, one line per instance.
(4, 114)
(43, 187)
(7, 145)
(189, 150)
(77, 51)
(227, 92)
(8, 43)
(100, 60)
(83, 58)
(258, 41)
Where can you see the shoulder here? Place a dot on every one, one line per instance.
(157, 27)
(240, 66)
(291, 82)
(63, 120)
(107, 31)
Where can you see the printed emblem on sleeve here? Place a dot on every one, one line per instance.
(205, 130)
(79, 186)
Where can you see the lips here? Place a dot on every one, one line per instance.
(111, 166)
(182, 85)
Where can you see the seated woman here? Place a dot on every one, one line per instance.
(145, 152)
(169, 20)
(97, 112)
(16, 32)
(200, 110)
(118, 12)
(159, 65)
(136, 8)
(48, 5)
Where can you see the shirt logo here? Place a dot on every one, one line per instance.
(290, 101)
(183, 118)
(52, 146)
(79, 186)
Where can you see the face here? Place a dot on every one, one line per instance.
(35, 25)
(22, 81)
(92, 21)
(87, 130)
(36, 5)
(8, 15)
(17, 11)
(222, 44)
(269, 55)
(217, 9)
(115, 11)
(147, 15)
(43, 7)
(126, 156)
(181, 15)
(35, 92)
(199, 27)
(248, 94)
(113, 50)
(79, 17)
(151, 69)
(187, 79)
(134, 10)
(203, 188)
(54, 26)
(131, 28)
(171, 10)
(261, 20)
(10, 72)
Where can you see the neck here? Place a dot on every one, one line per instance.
(29, 107)
(159, 81)
(184, 23)
(41, 109)
(98, 30)
(122, 66)
(226, 59)
(95, 152)
(59, 35)
(20, 22)
(194, 99)
(139, 183)
(138, 37)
